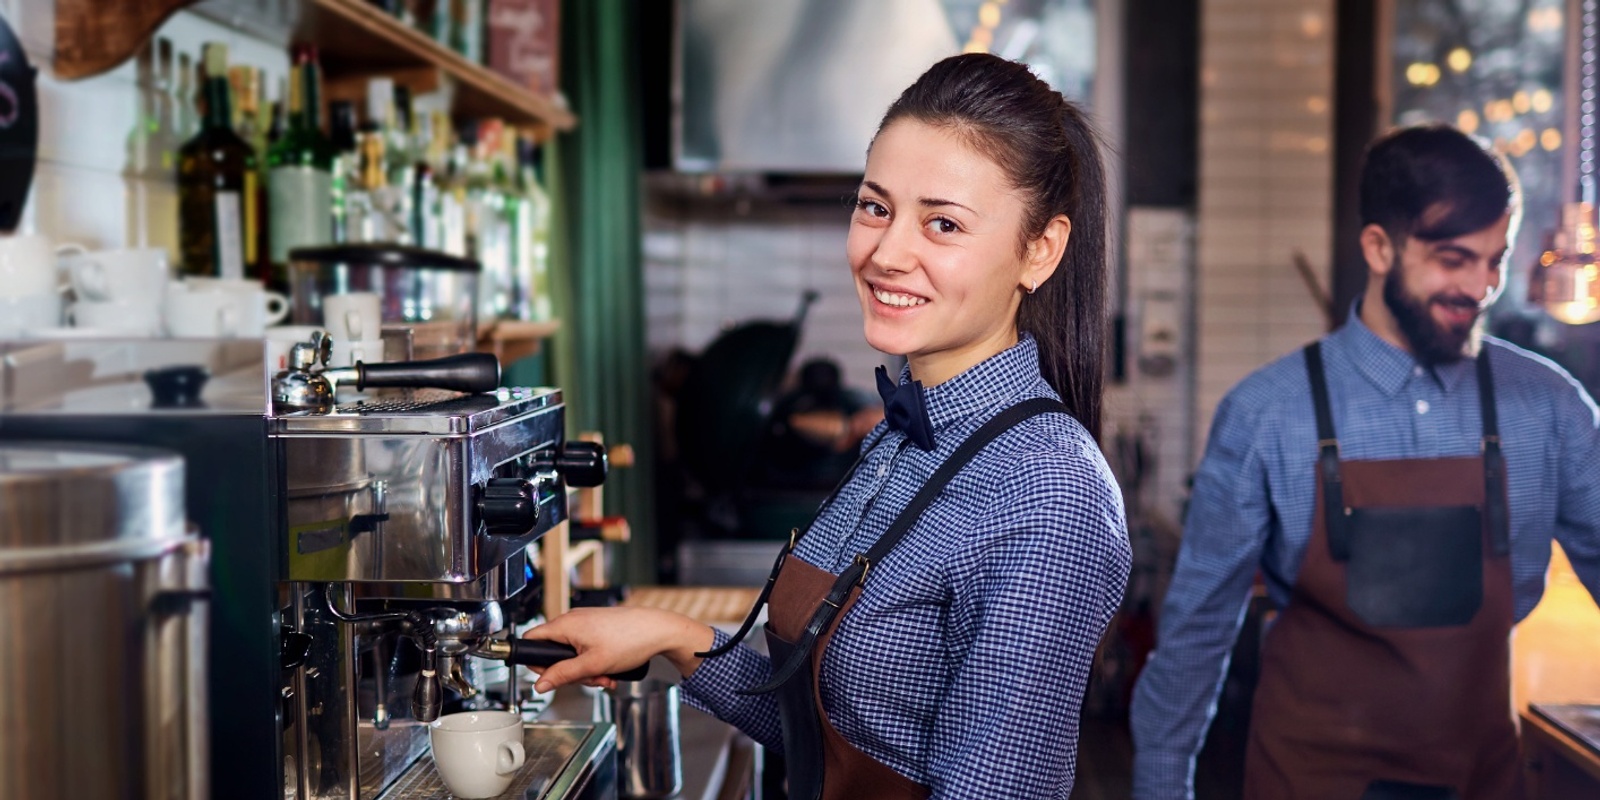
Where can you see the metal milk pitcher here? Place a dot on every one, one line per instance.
(649, 759)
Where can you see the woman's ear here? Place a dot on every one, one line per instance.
(1378, 250)
(1045, 251)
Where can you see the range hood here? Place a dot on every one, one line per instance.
(798, 86)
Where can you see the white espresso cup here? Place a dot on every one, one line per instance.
(24, 313)
(133, 275)
(352, 317)
(346, 354)
(129, 317)
(254, 307)
(202, 315)
(28, 265)
(477, 752)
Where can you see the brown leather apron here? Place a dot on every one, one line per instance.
(806, 607)
(1388, 674)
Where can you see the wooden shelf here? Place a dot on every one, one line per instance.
(354, 40)
(514, 340)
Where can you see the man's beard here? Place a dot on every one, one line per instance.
(1431, 342)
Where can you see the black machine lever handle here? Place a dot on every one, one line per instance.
(541, 653)
(473, 373)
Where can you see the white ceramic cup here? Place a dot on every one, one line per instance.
(23, 313)
(202, 315)
(352, 317)
(346, 354)
(131, 317)
(477, 752)
(254, 307)
(135, 274)
(282, 339)
(28, 265)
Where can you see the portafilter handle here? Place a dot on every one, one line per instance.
(473, 373)
(541, 653)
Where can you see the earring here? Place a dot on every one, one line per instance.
(1034, 287)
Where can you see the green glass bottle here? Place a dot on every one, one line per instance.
(216, 183)
(300, 171)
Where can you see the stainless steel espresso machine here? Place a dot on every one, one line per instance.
(370, 529)
(407, 525)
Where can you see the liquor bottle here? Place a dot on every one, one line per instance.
(247, 122)
(300, 181)
(534, 225)
(392, 198)
(342, 133)
(216, 183)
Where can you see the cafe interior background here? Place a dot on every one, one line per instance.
(696, 156)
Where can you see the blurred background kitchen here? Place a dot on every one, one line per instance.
(657, 196)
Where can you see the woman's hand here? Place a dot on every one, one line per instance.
(612, 640)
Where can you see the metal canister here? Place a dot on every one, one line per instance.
(102, 626)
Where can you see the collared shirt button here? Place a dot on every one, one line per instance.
(883, 469)
(1422, 406)
(1417, 371)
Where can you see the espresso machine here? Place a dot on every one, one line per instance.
(408, 517)
(369, 529)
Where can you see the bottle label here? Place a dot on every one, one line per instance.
(230, 236)
(299, 209)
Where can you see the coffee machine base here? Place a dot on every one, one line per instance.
(566, 761)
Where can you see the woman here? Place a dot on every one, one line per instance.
(932, 630)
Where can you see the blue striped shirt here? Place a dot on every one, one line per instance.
(963, 664)
(1253, 497)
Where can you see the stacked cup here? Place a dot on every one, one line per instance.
(212, 308)
(119, 292)
(353, 320)
(30, 291)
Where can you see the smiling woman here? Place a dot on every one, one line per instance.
(931, 631)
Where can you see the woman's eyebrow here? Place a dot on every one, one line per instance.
(926, 202)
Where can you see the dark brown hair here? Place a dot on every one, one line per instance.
(1434, 182)
(1051, 155)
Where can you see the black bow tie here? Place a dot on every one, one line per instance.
(905, 410)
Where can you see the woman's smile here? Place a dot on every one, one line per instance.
(896, 298)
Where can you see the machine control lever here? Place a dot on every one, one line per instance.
(582, 464)
(507, 507)
(539, 653)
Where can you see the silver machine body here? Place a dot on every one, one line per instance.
(351, 550)
(381, 517)
(103, 629)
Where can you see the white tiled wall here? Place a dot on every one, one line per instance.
(711, 267)
(1266, 158)
(100, 179)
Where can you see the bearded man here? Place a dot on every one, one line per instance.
(1397, 485)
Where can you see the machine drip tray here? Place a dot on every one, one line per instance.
(563, 759)
(1581, 722)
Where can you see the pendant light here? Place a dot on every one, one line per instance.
(1566, 281)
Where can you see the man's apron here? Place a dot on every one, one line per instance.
(1388, 674)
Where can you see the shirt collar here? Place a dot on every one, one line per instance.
(1387, 366)
(991, 383)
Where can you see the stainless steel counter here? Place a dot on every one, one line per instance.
(565, 761)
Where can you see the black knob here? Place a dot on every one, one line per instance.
(176, 387)
(583, 463)
(507, 507)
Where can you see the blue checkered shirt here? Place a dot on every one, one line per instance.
(1254, 492)
(963, 664)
